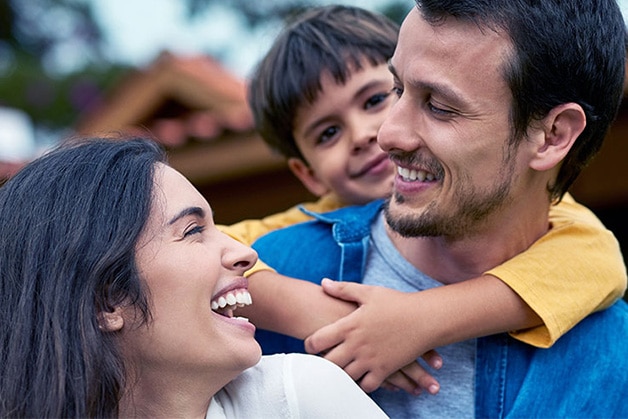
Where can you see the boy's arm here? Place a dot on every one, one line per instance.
(299, 308)
(291, 306)
(575, 269)
(424, 319)
(391, 328)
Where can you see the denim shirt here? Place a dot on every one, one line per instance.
(584, 374)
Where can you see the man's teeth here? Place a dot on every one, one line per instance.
(233, 299)
(412, 175)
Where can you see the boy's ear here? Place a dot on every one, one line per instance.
(307, 176)
(561, 128)
(111, 321)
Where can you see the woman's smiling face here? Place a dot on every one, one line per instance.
(188, 267)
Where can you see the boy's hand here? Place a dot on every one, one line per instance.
(379, 340)
(412, 378)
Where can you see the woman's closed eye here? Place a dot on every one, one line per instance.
(192, 230)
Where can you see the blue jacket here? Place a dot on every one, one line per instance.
(584, 374)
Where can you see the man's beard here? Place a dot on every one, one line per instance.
(462, 216)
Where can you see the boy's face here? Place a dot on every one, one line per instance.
(337, 136)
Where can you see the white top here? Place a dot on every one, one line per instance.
(293, 386)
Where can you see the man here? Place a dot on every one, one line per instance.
(500, 105)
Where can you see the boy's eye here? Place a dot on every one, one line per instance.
(327, 134)
(376, 100)
(194, 230)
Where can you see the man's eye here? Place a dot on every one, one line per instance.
(397, 91)
(437, 110)
(194, 230)
(376, 100)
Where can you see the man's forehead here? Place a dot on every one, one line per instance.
(450, 38)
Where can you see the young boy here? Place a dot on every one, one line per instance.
(319, 97)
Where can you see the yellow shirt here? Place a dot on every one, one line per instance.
(552, 276)
(248, 231)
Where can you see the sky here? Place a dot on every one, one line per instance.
(137, 30)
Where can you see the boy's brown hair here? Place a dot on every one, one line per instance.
(337, 39)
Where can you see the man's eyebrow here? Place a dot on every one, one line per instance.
(197, 211)
(391, 68)
(446, 91)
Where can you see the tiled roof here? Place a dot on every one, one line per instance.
(196, 108)
(177, 99)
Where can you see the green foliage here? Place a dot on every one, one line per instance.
(54, 102)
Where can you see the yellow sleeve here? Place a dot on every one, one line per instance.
(248, 231)
(573, 270)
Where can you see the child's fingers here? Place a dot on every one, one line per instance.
(348, 291)
(396, 381)
(343, 358)
(415, 372)
(433, 359)
(356, 371)
(325, 338)
(389, 386)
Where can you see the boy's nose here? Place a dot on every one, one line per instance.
(363, 134)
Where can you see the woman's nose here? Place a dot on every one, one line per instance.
(238, 255)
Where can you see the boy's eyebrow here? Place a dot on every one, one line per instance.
(197, 211)
(368, 86)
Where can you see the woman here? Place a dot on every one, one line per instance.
(118, 299)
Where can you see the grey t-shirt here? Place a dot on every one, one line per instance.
(386, 267)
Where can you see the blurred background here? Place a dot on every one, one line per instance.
(174, 68)
(58, 58)
(177, 69)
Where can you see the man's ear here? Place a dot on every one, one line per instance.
(561, 128)
(111, 321)
(307, 176)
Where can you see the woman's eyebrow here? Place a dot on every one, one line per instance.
(197, 211)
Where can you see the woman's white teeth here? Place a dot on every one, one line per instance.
(412, 175)
(238, 298)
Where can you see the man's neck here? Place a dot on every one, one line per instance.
(450, 260)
